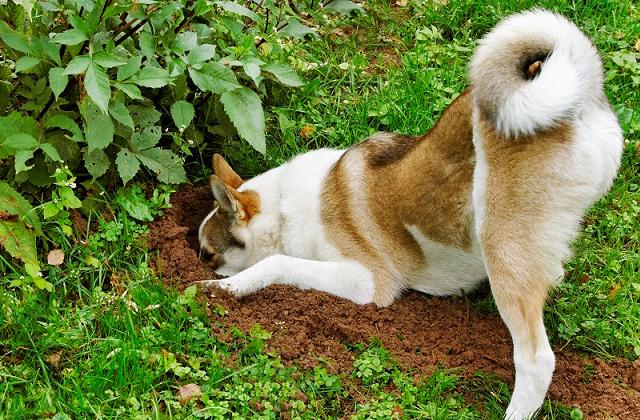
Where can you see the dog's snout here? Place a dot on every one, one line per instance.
(214, 259)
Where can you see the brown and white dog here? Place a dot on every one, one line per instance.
(497, 188)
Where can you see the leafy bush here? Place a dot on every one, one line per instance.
(92, 92)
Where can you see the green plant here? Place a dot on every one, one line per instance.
(100, 90)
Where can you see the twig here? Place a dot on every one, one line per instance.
(134, 29)
(131, 32)
(187, 19)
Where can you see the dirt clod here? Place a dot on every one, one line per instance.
(421, 332)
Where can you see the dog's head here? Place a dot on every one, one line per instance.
(226, 234)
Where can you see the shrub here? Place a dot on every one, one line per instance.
(93, 92)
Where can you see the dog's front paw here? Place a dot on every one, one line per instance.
(238, 285)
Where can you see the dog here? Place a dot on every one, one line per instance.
(496, 189)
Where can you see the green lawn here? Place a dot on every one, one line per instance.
(111, 341)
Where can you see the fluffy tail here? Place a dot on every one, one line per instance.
(534, 70)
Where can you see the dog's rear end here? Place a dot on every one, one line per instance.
(547, 146)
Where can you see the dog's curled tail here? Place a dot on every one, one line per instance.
(532, 71)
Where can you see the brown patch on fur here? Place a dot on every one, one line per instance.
(423, 181)
(430, 185)
(250, 202)
(224, 171)
(383, 148)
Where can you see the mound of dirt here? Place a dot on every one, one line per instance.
(421, 332)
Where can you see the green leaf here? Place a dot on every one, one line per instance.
(120, 113)
(68, 149)
(128, 165)
(344, 6)
(182, 113)
(68, 198)
(129, 89)
(144, 116)
(14, 204)
(130, 68)
(18, 237)
(18, 124)
(20, 161)
(186, 41)
(147, 43)
(50, 151)
(99, 127)
(251, 66)
(153, 77)
(77, 65)
(134, 202)
(49, 210)
(96, 162)
(82, 25)
(16, 142)
(25, 63)
(96, 83)
(190, 292)
(49, 48)
(15, 40)
(70, 37)
(18, 240)
(27, 5)
(214, 77)
(146, 139)
(66, 123)
(244, 109)
(201, 53)
(238, 9)
(106, 60)
(284, 73)
(41, 283)
(57, 80)
(166, 165)
(295, 29)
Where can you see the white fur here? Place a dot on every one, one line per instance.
(570, 77)
(449, 270)
(533, 377)
(348, 280)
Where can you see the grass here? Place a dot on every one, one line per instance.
(111, 341)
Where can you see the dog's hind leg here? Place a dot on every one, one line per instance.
(520, 298)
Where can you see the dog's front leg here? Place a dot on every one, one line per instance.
(348, 280)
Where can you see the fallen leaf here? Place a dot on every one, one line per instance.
(54, 358)
(584, 278)
(188, 392)
(306, 131)
(55, 257)
(637, 46)
(300, 396)
(614, 291)
(402, 3)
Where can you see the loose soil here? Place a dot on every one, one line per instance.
(421, 332)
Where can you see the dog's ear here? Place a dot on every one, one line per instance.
(223, 170)
(243, 205)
